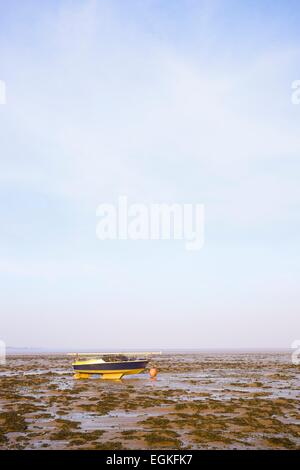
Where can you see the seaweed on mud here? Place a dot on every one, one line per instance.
(77, 441)
(281, 442)
(63, 434)
(52, 387)
(71, 434)
(162, 440)
(109, 445)
(181, 406)
(66, 423)
(42, 416)
(129, 434)
(209, 436)
(199, 397)
(30, 408)
(142, 401)
(3, 438)
(65, 430)
(156, 421)
(12, 421)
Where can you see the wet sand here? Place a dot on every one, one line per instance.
(198, 401)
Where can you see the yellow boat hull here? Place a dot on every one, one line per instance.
(106, 374)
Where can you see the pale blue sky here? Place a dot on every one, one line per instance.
(164, 101)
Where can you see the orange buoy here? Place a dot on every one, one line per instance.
(153, 372)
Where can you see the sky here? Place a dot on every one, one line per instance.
(164, 102)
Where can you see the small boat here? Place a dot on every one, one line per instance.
(110, 365)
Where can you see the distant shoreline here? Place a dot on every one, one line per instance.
(12, 351)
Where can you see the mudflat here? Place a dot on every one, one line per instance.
(197, 401)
